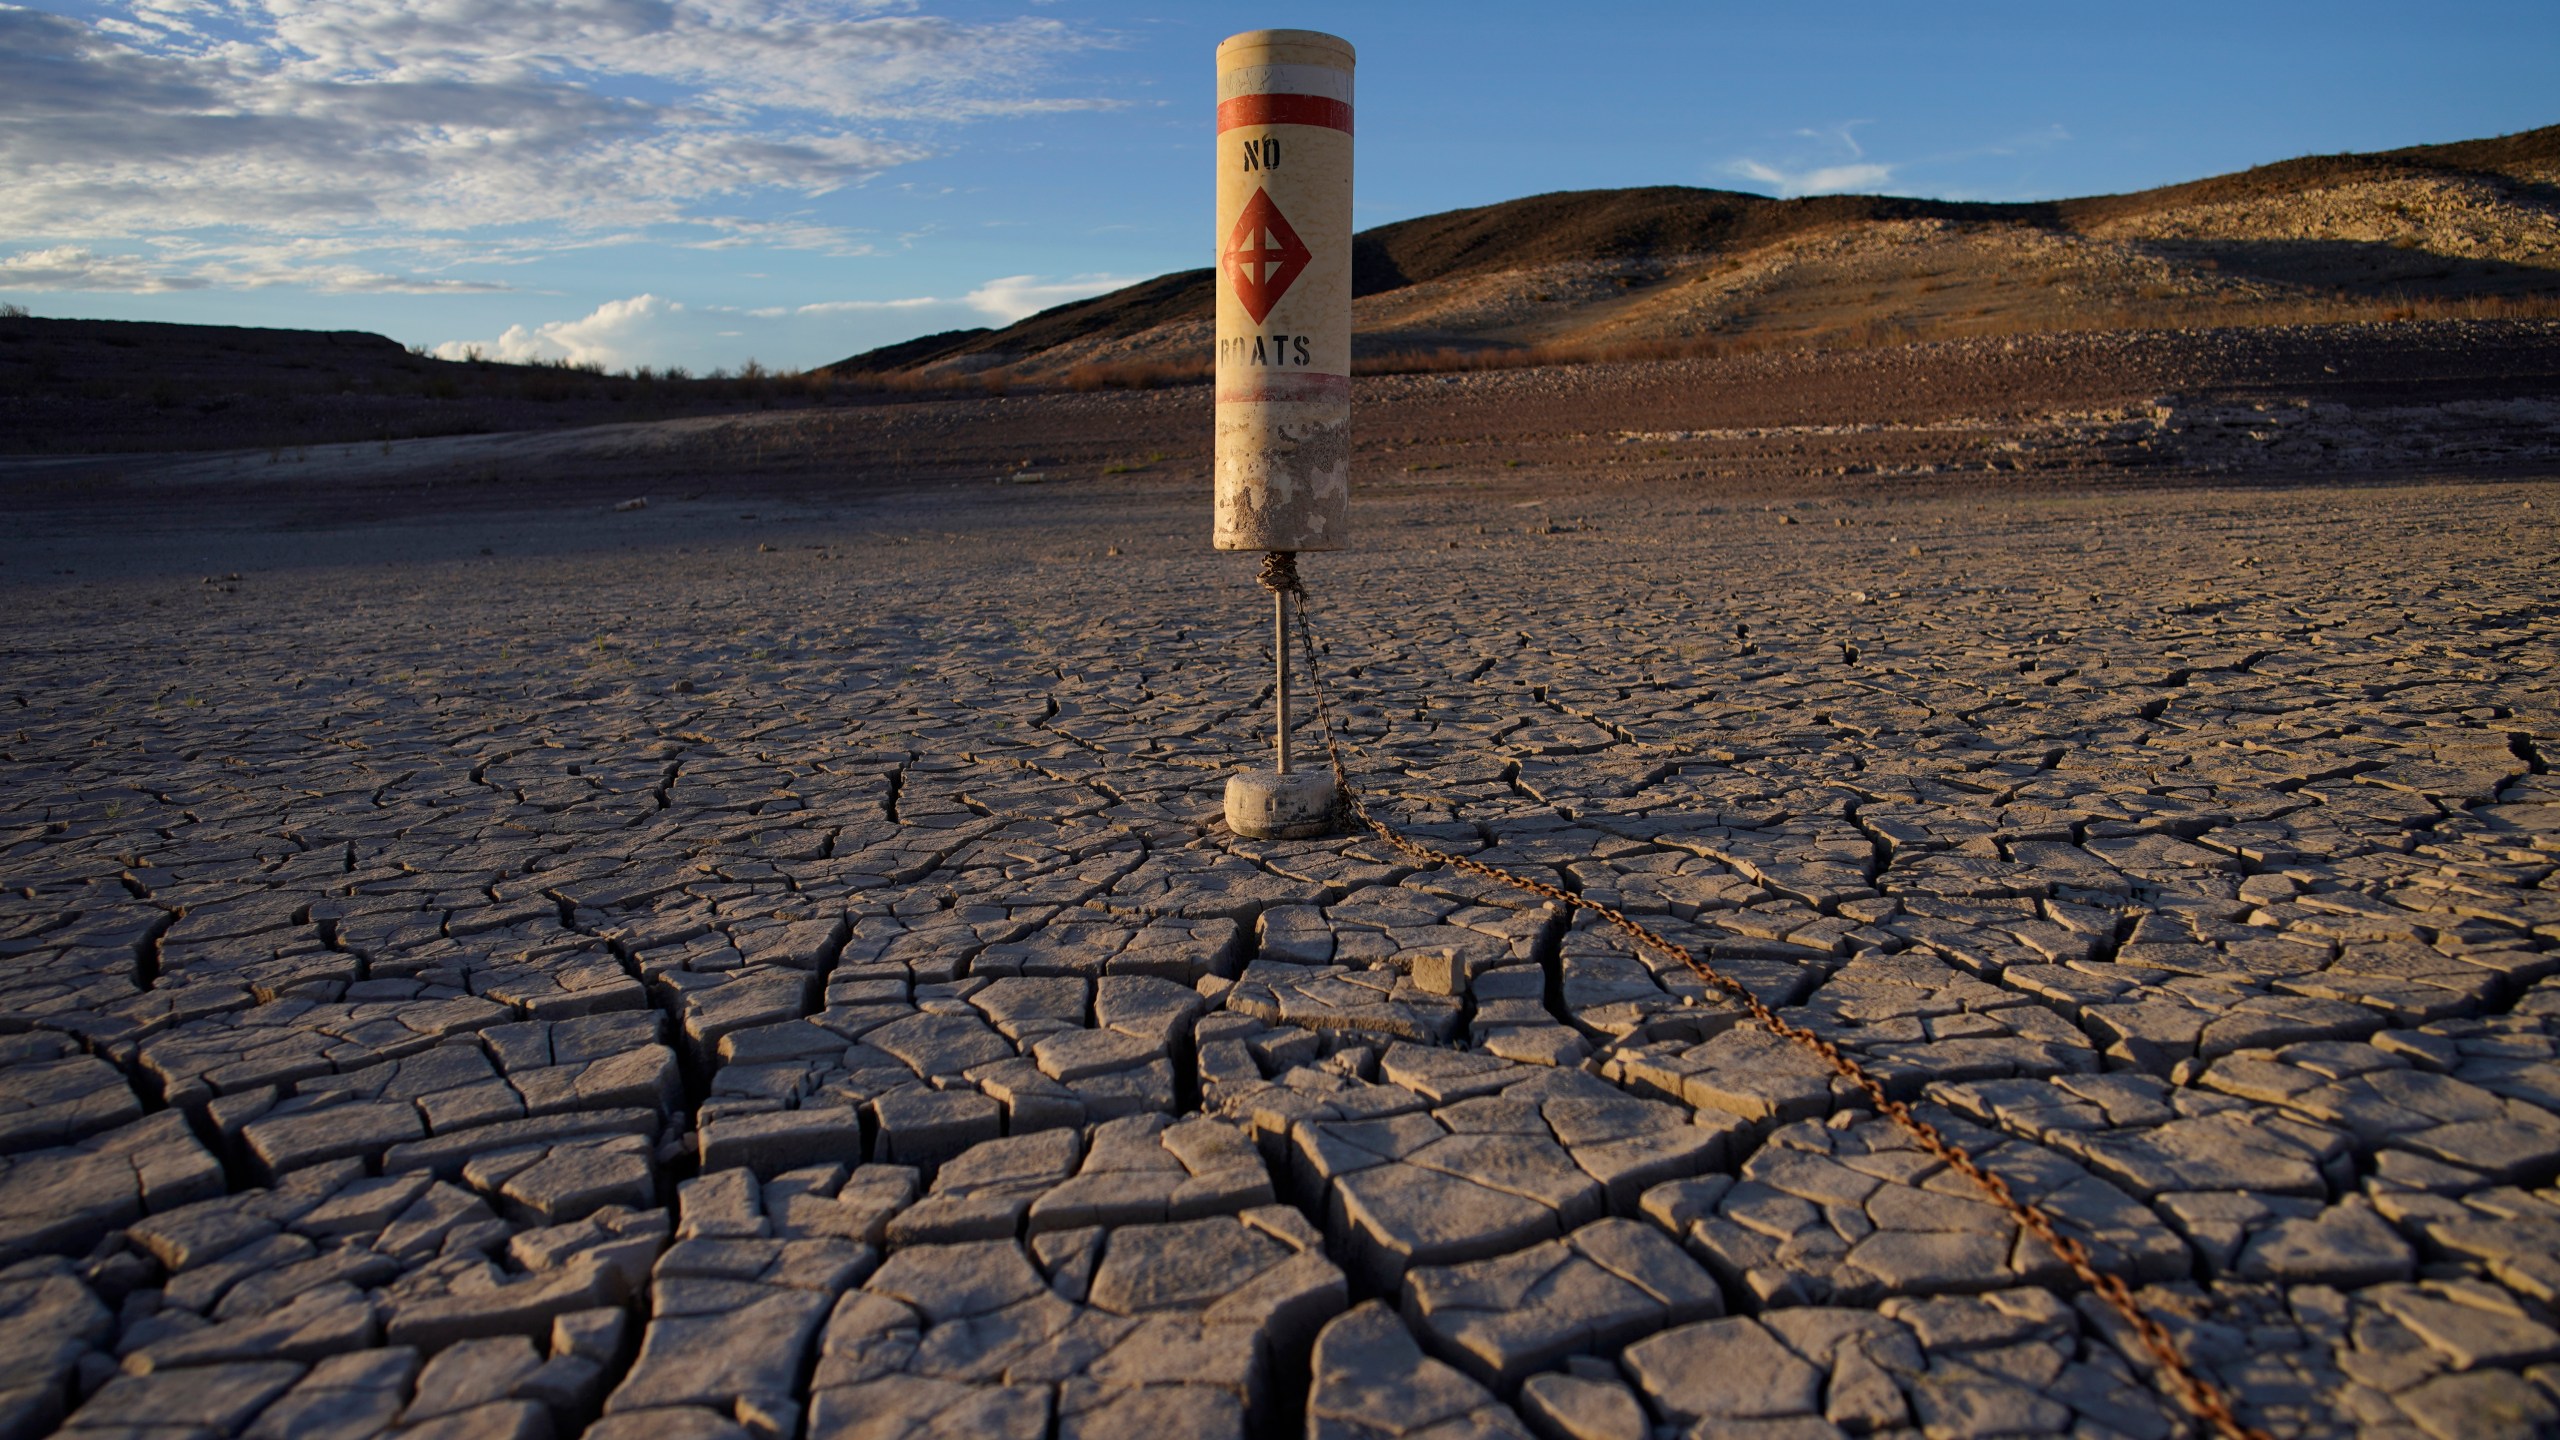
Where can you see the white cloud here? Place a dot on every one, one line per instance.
(178, 267)
(1819, 180)
(1016, 296)
(1821, 169)
(788, 234)
(847, 307)
(617, 335)
(73, 267)
(1845, 134)
(1003, 301)
(393, 120)
(1819, 174)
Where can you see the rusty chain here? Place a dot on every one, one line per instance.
(2206, 1401)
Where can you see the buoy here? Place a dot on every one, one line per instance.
(1283, 449)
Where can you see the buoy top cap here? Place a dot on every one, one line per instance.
(1284, 47)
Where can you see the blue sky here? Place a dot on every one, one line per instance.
(699, 182)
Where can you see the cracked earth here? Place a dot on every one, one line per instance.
(803, 986)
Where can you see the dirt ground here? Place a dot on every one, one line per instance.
(1997, 417)
(480, 958)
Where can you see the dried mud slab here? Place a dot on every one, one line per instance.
(805, 989)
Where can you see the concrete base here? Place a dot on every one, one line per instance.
(1267, 805)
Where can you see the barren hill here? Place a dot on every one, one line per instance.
(98, 386)
(2471, 228)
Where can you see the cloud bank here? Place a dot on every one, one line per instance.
(460, 131)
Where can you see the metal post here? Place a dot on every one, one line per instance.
(1280, 649)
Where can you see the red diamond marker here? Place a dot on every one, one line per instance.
(1262, 256)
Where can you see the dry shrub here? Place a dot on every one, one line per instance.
(897, 382)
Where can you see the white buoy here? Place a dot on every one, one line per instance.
(1284, 291)
(1283, 452)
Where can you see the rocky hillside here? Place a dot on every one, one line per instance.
(2469, 229)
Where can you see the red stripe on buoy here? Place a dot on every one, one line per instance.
(1321, 110)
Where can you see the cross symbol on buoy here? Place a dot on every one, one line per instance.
(1263, 255)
